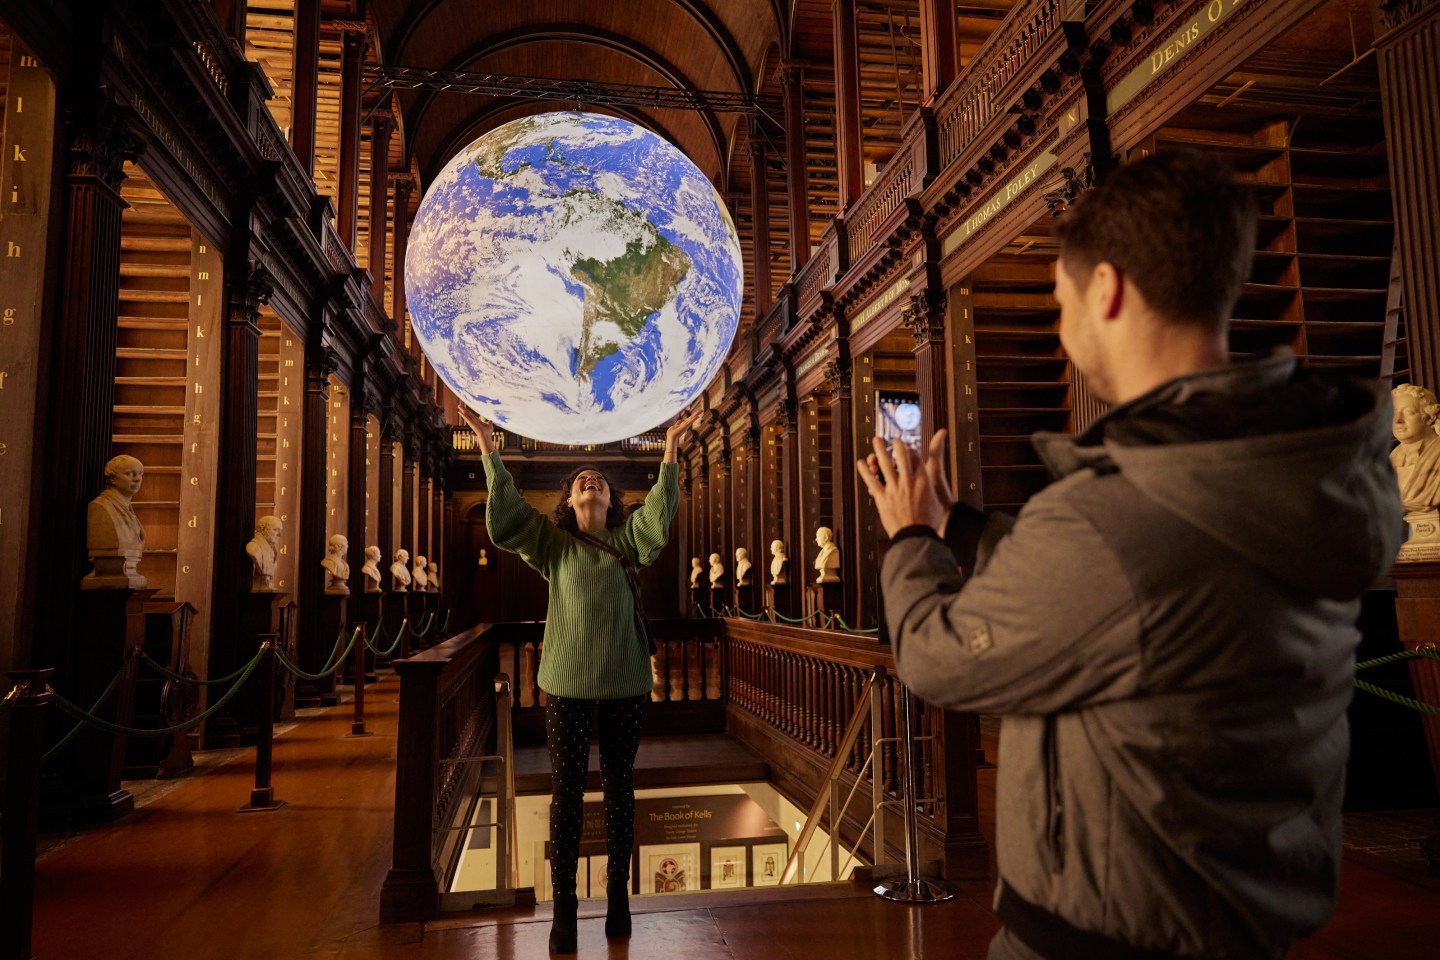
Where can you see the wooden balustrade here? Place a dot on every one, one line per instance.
(447, 712)
(871, 214)
(792, 690)
(817, 274)
(688, 672)
(976, 95)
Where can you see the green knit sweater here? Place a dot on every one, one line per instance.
(593, 650)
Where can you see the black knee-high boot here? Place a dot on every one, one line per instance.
(617, 910)
(564, 936)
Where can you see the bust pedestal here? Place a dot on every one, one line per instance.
(366, 608)
(395, 613)
(1423, 542)
(824, 598)
(717, 597)
(747, 597)
(416, 604)
(1417, 619)
(321, 693)
(781, 598)
(237, 723)
(111, 627)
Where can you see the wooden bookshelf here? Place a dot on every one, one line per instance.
(1022, 375)
(151, 380)
(1321, 278)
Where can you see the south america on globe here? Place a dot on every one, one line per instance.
(574, 278)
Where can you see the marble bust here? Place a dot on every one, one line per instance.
(779, 576)
(717, 571)
(370, 569)
(742, 567)
(827, 561)
(400, 571)
(484, 560)
(695, 571)
(1416, 459)
(337, 570)
(115, 538)
(263, 550)
(432, 572)
(418, 577)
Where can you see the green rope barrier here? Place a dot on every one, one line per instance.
(804, 619)
(380, 632)
(169, 674)
(1403, 701)
(445, 630)
(303, 675)
(75, 730)
(420, 634)
(1402, 655)
(115, 728)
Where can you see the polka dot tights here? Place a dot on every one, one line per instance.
(567, 731)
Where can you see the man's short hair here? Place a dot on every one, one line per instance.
(1177, 224)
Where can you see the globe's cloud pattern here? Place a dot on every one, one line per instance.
(574, 278)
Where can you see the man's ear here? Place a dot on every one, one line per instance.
(1107, 290)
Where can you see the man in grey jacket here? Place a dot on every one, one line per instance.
(1168, 629)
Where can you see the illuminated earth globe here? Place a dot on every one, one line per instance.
(574, 278)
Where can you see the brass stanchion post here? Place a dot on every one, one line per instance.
(263, 796)
(22, 811)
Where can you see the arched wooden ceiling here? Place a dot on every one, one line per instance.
(712, 45)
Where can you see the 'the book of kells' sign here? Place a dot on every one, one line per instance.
(704, 820)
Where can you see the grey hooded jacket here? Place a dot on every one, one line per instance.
(1168, 630)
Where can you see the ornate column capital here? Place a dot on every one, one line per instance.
(785, 414)
(924, 316)
(250, 292)
(100, 144)
(837, 375)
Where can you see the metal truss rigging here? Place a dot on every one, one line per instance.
(571, 91)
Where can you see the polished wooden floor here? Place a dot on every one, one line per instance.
(188, 877)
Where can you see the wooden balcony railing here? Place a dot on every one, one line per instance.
(688, 672)
(880, 201)
(792, 689)
(447, 713)
(465, 441)
(817, 274)
(976, 95)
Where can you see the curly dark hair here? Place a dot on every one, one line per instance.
(564, 515)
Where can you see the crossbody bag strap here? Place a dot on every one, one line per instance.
(631, 578)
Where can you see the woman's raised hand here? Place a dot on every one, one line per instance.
(674, 431)
(484, 432)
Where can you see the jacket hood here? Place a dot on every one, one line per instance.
(1286, 467)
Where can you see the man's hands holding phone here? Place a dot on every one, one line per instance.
(906, 489)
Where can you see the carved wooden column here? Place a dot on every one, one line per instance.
(924, 317)
(847, 104)
(938, 47)
(407, 494)
(760, 220)
(380, 128)
(787, 418)
(82, 382)
(752, 532)
(964, 420)
(403, 188)
(797, 187)
(385, 496)
(352, 62)
(362, 404)
(703, 512)
(723, 510)
(235, 488)
(686, 533)
(866, 563)
(437, 513)
(1408, 56)
(27, 317)
(427, 484)
(843, 509)
(304, 93)
(320, 362)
